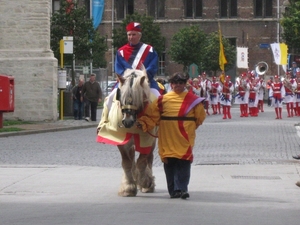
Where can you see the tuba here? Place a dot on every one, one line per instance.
(261, 68)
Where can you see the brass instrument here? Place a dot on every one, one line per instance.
(297, 90)
(287, 83)
(261, 68)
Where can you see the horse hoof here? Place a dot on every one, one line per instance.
(148, 189)
(127, 194)
(128, 190)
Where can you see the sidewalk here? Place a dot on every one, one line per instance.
(51, 126)
(220, 194)
(227, 195)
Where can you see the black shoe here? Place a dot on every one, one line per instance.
(176, 194)
(185, 195)
(296, 156)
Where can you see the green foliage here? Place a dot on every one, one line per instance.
(192, 45)
(10, 129)
(211, 53)
(76, 23)
(15, 122)
(187, 46)
(291, 25)
(151, 33)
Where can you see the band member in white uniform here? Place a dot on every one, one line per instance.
(242, 87)
(206, 87)
(277, 93)
(226, 97)
(290, 85)
(261, 92)
(214, 94)
(253, 96)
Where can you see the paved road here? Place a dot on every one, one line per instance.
(259, 140)
(67, 178)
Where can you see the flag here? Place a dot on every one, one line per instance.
(97, 11)
(280, 53)
(242, 57)
(222, 58)
(284, 53)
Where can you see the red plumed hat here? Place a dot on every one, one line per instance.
(134, 26)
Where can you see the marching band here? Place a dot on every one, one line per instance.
(248, 92)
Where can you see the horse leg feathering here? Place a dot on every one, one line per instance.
(133, 95)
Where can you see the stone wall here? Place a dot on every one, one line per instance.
(26, 55)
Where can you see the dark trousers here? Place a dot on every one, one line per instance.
(91, 106)
(78, 109)
(178, 172)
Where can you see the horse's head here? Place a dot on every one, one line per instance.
(134, 93)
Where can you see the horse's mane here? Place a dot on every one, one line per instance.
(134, 89)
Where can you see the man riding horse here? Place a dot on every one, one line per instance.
(135, 53)
(134, 62)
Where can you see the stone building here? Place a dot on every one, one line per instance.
(246, 23)
(26, 55)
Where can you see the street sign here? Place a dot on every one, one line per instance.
(68, 45)
(85, 70)
(264, 45)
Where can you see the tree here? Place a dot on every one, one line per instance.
(291, 25)
(187, 46)
(192, 45)
(211, 52)
(150, 32)
(88, 45)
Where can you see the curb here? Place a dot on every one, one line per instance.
(27, 132)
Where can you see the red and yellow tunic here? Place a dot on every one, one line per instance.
(178, 116)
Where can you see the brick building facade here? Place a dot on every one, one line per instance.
(247, 23)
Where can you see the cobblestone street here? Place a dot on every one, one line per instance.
(251, 140)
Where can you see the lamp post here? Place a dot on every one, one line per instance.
(112, 34)
(278, 18)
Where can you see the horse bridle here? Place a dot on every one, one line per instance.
(128, 110)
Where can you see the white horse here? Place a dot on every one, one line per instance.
(118, 127)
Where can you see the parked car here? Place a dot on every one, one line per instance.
(107, 87)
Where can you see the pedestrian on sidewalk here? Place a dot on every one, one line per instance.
(77, 101)
(92, 95)
(178, 114)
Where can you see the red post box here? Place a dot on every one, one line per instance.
(7, 96)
